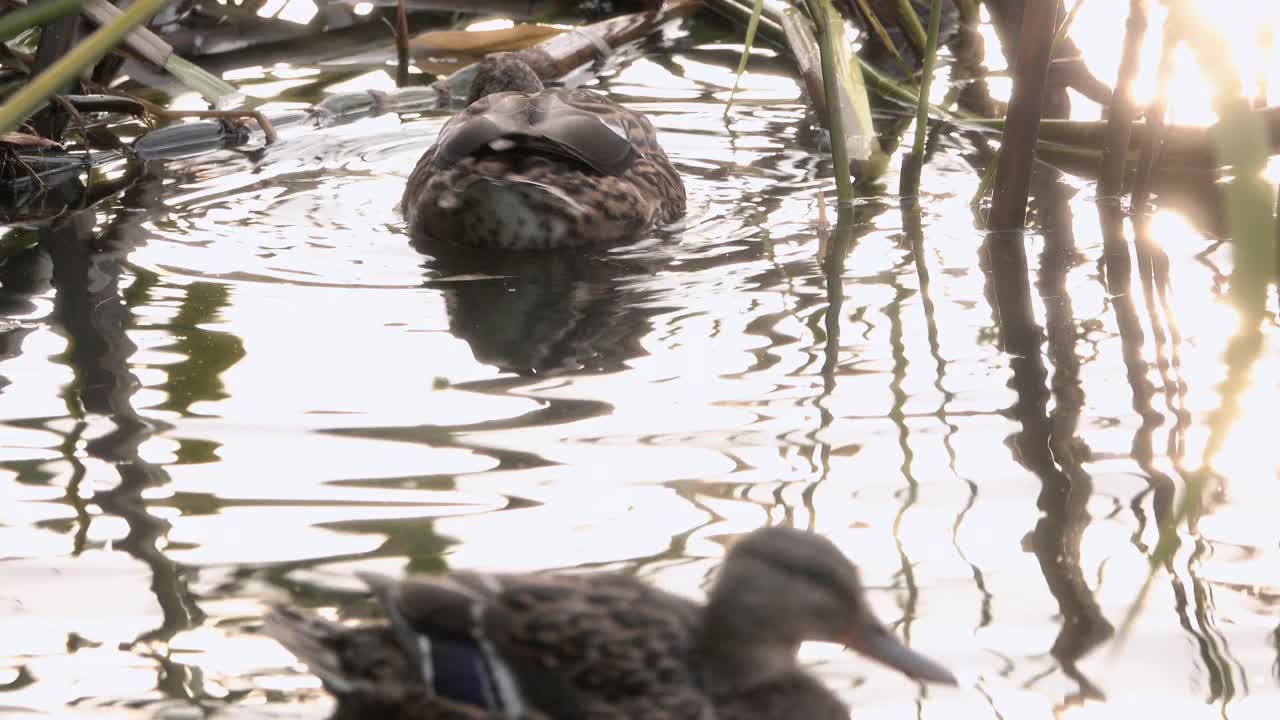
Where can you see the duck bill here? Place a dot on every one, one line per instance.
(877, 643)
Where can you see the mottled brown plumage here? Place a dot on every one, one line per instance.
(526, 168)
(605, 646)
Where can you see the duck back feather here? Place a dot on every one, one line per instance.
(594, 647)
(543, 170)
(573, 124)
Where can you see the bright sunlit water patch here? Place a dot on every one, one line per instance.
(238, 384)
(373, 80)
(295, 11)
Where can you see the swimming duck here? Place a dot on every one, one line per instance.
(527, 168)
(604, 646)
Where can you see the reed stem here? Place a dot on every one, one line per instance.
(909, 21)
(1022, 123)
(926, 80)
(885, 40)
(1115, 151)
(402, 45)
(821, 11)
(753, 24)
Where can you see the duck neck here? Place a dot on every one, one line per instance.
(735, 658)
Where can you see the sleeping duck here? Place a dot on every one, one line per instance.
(604, 646)
(527, 168)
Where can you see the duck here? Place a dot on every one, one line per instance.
(524, 167)
(604, 646)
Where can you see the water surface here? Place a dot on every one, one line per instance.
(237, 383)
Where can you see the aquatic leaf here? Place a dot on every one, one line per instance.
(517, 37)
(863, 146)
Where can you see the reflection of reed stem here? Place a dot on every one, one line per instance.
(1153, 270)
(1211, 644)
(897, 414)
(838, 246)
(913, 227)
(92, 312)
(1066, 489)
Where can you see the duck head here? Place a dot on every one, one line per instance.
(503, 73)
(779, 587)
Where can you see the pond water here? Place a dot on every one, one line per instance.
(237, 383)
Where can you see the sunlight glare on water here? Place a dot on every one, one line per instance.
(238, 384)
(1099, 29)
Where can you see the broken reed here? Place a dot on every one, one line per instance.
(821, 12)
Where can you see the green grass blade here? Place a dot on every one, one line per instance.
(220, 93)
(926, 81)
(12, 23)
(910, 24)
(752, 25)
(104, 40)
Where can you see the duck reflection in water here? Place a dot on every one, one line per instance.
(548, 312)
(528, 168)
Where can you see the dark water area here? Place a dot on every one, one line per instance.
(237, 383)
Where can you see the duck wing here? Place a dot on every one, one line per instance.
(367, 672)
(598, 647)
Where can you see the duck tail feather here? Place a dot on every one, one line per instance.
(387, 590)
(310, 639)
